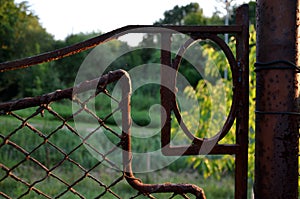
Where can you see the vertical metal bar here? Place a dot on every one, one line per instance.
(242, 57)
(127, 153)
(276, 142)
(298, 76)
(126, 124)
(165, 92)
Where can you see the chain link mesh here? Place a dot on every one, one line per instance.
(44, 155)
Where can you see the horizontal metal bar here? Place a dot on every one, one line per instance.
(220, 149)
(61, 94)
(183, 29)
(90, 43)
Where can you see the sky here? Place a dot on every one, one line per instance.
(64, 17)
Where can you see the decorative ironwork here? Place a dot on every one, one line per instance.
(43, 105)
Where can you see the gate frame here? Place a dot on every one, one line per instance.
(239, 65)
(240, 106)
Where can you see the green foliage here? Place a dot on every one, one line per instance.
(216, 189)
(176, 15)
(198, 18)
(211, 93)
(190, 14)
(252, 95)
(209, 124)
(252, 14)
(67, 68)
(67, 141)
(18, 24)
(21, 35)
(195, 18)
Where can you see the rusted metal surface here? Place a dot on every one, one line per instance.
(45, 170)
(277, 133)
(136, 183)
(240, 72)
(88, 44)
(125, 141)
(172, 105)
(27, 102)
(238, 112)
(242, 122)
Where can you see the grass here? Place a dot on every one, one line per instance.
(144, 140)
(217, 189)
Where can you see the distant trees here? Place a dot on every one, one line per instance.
(252, 14)
(66, 68)
(22, 35)
(190, 14)
(176, 15)
(20, 32)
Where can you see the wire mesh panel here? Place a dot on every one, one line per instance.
(48, 151)
(51, 158)
(54, 158)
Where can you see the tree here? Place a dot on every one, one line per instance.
(190, 14)
(8, 17)
(176, 15)
(195, 18)
(217, 166)
(67, 68)
(21, 35)
(252, 14)
(198, 18)
(20, 32)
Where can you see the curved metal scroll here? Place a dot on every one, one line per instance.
(127, 154)
(195, 147)
(233, 66)
(196, 32)
(125, 141)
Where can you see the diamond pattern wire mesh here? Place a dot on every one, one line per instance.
(51, 159)
(45, 155)
(55, 159)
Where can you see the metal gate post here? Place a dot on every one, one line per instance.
(277, 134)
(242, 58)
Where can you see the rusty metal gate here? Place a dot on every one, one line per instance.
(41, 106)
